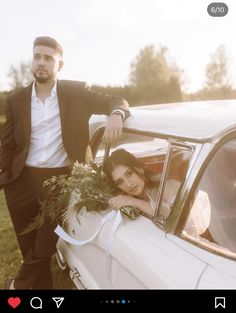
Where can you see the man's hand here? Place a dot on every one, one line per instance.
(113, 130)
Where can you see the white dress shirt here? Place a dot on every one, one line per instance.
(46, 146)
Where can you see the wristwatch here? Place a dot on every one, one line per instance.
(119, 112)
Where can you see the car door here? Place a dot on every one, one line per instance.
(218, 273)
(140, 257)
(215, 244)
(140, 254)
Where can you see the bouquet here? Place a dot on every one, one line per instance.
(87, 186)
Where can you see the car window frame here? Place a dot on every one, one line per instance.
(172, 143)
(182, 146)
(210, 247)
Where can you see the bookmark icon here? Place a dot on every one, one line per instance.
(219, 302)
(58, 301)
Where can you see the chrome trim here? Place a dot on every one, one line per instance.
(199, 156)
(162, 183)
(210, 247)
(75, 275)
(184, 146)
(60, 260)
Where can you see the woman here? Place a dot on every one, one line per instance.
(140, 188)
(128, 174)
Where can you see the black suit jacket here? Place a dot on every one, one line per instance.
(76, 104)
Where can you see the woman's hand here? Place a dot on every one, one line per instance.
(122, 200)
(125, 200)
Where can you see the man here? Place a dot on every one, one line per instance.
(46, 128)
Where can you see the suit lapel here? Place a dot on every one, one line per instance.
(62, 99)
(25, 111)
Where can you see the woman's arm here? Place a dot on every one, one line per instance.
(126, 200)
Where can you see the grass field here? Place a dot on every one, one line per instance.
(10, 256)
(2, 119)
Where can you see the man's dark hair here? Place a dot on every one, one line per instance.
(48, 42)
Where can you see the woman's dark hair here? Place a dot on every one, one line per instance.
(123, 157)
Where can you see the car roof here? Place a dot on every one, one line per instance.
(196, 120)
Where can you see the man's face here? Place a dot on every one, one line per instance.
(45, 64)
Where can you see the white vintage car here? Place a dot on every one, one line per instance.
(191, 241)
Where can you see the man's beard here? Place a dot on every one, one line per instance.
(42, 80)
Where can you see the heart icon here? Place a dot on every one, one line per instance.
(14, 302)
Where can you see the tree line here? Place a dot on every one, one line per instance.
(153, 78)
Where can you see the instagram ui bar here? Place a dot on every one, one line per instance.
(217, 9)
(219, 302)
(58, 301)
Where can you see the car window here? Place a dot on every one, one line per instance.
(213, 213)
(153, 152)
(137, 144)
(149, 150)
(176, 169)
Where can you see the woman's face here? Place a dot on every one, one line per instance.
(128, 181)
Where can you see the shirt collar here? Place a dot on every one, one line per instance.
(53, 91)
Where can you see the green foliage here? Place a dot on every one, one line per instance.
(217, 84)
(217, 73)
(126, 92)
(153, 78)
(3, 96)
(10, 256)
(87, 186)
(2, 121)
(20, 76)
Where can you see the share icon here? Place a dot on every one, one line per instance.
(58, 301)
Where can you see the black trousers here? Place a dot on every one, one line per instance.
(23, 197)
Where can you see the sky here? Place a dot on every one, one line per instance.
(101, 38)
